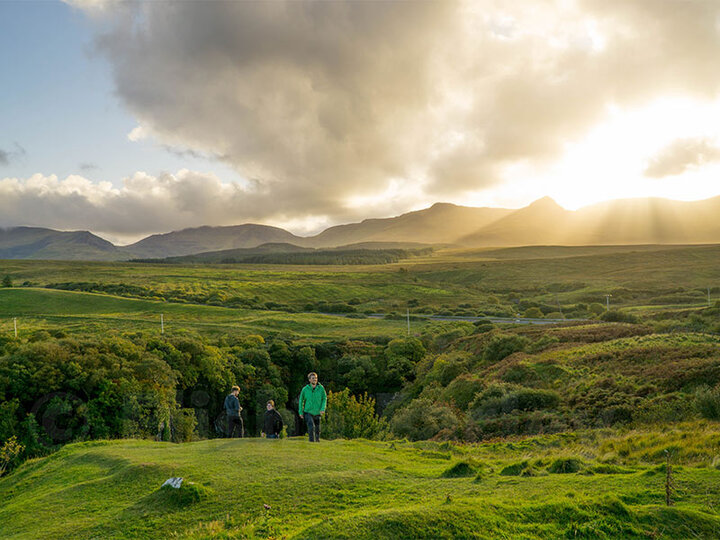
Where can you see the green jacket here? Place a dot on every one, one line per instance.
(312, 400)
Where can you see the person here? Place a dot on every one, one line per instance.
(272, 423)
(311, 406)
(232, 409)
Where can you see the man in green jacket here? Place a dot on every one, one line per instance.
(311, 406)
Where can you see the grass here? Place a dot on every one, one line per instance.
(80, 312)
(645, 278)
(363, 489)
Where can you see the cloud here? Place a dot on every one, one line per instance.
(144, 204)
(138, 133)
(8, 156)
(681, 155)
(322, 103)
(86, 166)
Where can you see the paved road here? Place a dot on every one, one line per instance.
(497, 320)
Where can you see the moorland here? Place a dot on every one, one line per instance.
(440, 422)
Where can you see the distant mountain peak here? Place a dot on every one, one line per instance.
(545, 202)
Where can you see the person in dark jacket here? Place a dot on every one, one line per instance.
(272, 423)
(232, 409)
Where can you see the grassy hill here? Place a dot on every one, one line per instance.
(39, 243)
(78, 312)
(596, 484)
(459, 282)
(200, 239)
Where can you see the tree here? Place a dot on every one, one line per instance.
(7, 281)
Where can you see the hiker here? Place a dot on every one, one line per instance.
(272, 423)
(311, 406)
(232, 409)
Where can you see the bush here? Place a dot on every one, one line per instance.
(348, 417)
(515, 469)
(615, 315)
(461, 391)
(565, 466)
(448, 366)
(542, 343)
(183, 424)
(707, 401)
(503, 345)
(500, 399)
(9, 452)
(7, 281)
(461, 469)
(422, 419)
(533, 313)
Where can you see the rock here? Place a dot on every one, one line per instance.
(174, 482)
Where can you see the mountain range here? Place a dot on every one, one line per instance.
(544, 222)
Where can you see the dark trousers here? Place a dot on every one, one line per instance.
(313, 426)
(234, 425)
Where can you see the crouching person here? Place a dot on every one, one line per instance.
(272, 423)
(312, 406)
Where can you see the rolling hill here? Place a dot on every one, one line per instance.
(201, 239)
(40, 243)
(544, 222)
(256, 488)
(439, 224)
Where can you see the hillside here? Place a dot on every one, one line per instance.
(442, 223)
(39, 243)
(277, 253)
(202, 239)
(624, 221)
(544, 222)
(361, 489)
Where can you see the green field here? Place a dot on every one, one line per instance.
(487, 430)
(614, 487)
(468, 281)
(77, 312)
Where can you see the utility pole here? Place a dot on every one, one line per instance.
(708, 296)
(607, 301)
(162, 324)
(15, 325)
(408, 320)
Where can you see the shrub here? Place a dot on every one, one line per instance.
(565, 466)
(707, 401)
(9, 452)
(500, 399)
(461, 469)
(349, 417)
(542, 343)
(422, 419)
(183, 424)
(7, 281)
(448, 366)
(462, 390)
(515, 469)
(615, 315)
(533, 313)
(503, 345)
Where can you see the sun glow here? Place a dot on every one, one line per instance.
(612, 160)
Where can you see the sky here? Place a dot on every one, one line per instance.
(132, 118)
